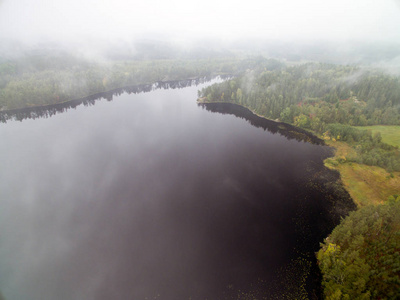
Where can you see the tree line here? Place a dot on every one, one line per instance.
(317, 92)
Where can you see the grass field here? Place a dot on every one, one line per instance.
(365, 184)
(390, 134)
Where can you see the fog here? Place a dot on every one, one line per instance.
(182, 21)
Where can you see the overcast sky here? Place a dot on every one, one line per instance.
(286, 19)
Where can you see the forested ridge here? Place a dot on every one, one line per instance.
(43, 79)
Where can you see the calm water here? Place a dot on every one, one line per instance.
(151, 196)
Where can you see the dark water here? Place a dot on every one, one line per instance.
(151, 196)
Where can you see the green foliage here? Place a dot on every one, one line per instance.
(346, 132)
(302, 121)
(361, 259)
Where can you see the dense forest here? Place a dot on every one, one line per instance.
(327, 99)
(361, 259)
(315, 93)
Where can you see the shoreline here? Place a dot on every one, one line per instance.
(50, 109)
(202, 101)
(311, 136)
(366, 185)
(159, 84)
(103, 93)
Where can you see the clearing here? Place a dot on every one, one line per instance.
(390, 134)
(365, 184)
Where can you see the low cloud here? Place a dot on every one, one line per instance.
(187, 20)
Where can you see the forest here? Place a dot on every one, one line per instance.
(315, 93)
(360, 259)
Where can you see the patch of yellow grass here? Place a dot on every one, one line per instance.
(368, 184)
(365, 184)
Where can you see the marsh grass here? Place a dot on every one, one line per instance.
(365, 184)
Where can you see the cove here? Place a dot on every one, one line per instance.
(151, 196)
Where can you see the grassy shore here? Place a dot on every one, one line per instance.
(366, 184)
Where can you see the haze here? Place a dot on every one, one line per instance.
(182, 20)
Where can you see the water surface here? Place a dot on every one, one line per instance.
(152, 197)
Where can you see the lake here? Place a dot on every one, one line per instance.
(153, 196)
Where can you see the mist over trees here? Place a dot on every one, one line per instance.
(317, 92)
(37, 78)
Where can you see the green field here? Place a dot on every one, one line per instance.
(390, 134)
